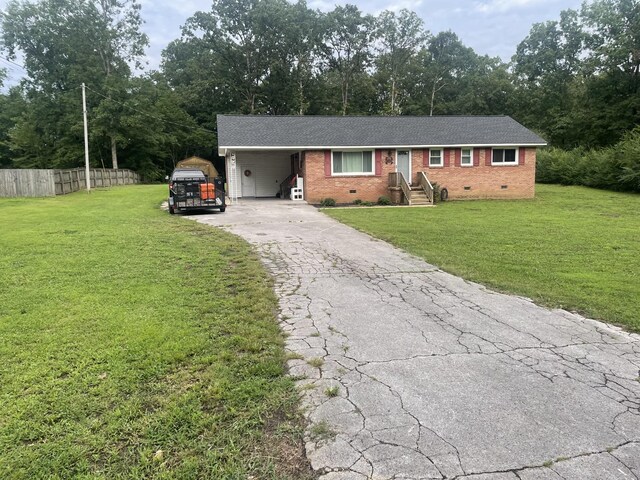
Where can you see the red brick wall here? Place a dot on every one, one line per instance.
(318, 186)
(485, 181)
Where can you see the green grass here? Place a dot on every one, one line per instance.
(321, 431)
(316, 362)
(134, 344)
(332, 391)
(571, 247)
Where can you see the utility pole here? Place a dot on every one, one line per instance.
(86, 138)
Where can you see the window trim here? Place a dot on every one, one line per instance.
(503, 163)
(355, 174)
(470, 164)
(441, 150)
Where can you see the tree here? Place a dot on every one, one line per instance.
(11, 106)
(400, 37)
(445, 60)
(614, 35)
(29, 141)
(485, 88)
(547, 69)
(347, 50)
(612, 66)
(196, 70)
(578, 78)
(302, 34)
(65, 43)
(160, 131)
(245, 46)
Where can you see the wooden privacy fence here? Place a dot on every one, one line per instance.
(68, 181)
(47, 183)
(27, 183)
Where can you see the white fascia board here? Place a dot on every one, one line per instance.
(370, 147)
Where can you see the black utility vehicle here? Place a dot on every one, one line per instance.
(190, 189)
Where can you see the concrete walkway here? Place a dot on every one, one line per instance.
(408, 372)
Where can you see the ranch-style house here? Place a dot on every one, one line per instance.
(365, 157)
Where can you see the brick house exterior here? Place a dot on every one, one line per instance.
(349, 158)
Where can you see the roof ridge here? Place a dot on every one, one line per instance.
(356, 116)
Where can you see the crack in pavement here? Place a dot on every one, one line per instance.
(407, 372)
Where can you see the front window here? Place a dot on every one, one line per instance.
(353, 163)
(504, 156)
(435, 157)
(466, 159)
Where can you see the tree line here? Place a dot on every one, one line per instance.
(575, 80)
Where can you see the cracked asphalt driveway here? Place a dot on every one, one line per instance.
(408, 372)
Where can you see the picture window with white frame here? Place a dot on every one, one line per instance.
(504, 156)
(352, 162)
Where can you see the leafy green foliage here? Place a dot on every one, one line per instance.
(578, 79)
(332, 391)
(347, 53)
(437, 191)
(339, 62)
(400, 37)
(572, 247)
(151, 350)
(328, 202)
(613, 168)
(65, 43)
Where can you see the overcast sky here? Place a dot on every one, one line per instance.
(492, 27)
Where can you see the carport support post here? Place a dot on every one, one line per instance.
(86, 138)
(234, 180)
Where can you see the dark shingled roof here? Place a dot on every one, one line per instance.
(320, 131)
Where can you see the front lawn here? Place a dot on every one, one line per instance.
(572, 247)
(134, 344)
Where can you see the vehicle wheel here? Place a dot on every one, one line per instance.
(222, 209)
(172, 210)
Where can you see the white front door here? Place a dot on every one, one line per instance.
(403, 164)
(248, 174)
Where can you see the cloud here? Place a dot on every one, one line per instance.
(368, 6)
(501, 6)
(412, 5)
(322, 5)
(183, 8)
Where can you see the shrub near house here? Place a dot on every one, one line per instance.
(612, 168)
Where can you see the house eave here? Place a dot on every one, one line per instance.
(222, 150)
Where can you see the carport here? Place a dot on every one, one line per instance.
(260, 173)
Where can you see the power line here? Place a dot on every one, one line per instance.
(14, 72)
(12, 78)
(6, 64)
(151, 116)
(12, 63)
(11, 69)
